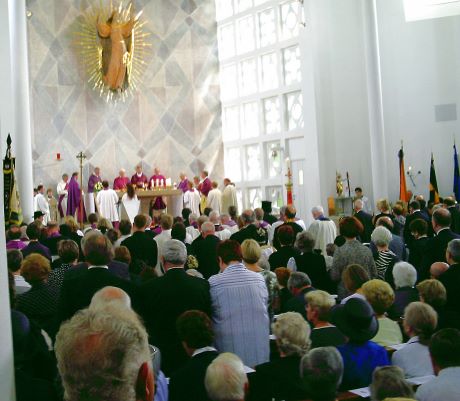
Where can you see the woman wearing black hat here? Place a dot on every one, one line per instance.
(357, 321)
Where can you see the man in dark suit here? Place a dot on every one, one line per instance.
(289, 220)
(142, 247)
(164, 299)
(194, 329)
(281, 257)
(435, 250)
(250, 230)
(78, 289)
(451, 280)
(117, 268)
(205, 251)
(452, 207)
(415, 213)
(299, 284)
(365, 219)
(419, 230)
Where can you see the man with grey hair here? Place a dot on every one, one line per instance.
(365, 219)
(322, 371)
(78, 289)
(451, 280)
(205, 250)
(299, 284)
(166, 298)
(105, 356)
(322, 229)
(438, 268)
(250, 230)
(108, 296)
(220, 232)
(226, 378)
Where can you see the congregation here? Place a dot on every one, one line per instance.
(223, 306)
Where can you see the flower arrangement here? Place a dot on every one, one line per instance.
(98, 187)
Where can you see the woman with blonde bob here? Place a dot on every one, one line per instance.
(280, 378)
(420, 321)
(381, 296)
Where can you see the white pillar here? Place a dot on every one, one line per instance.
(7, 388)
(21, 132)
(375, 101)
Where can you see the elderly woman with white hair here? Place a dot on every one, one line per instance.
(405, 277)
(280, 379)
(385, 259)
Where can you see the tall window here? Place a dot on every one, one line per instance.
(262, 104)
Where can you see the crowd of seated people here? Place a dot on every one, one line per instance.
(221, 307)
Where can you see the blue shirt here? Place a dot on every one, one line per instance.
(359, 362)
(240, 315)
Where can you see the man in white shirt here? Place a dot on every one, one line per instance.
(41, 204)
(322, 229)
(62, 194)
(445, 356)
(107, 201)
(215, 198)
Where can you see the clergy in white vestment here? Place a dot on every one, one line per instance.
(107, 201)
(192, 199)
(62, 188)
(41, 204)
(229, 196)
(130, 203)
(214, 200)
(324, 230)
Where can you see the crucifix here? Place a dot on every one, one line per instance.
(81, 157)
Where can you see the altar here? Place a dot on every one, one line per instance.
(173, 199)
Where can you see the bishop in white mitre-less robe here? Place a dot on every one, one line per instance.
(107, 201)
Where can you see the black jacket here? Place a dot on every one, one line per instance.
(78, 290)
(451, 280)
(164, 299)
(366, 221)
(408, 238)
(187, 384)
(281, 257)
(435, 249)
(251, 231)
(205, 251)
(142, 248)
(314, 266)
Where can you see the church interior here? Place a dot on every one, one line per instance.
(307, 99)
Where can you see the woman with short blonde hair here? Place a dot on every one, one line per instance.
(280, 378)
(381, 296)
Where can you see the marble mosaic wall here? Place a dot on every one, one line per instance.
(173, 121)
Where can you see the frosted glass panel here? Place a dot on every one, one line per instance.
(275, 194)
(267, 27)
(294, 112)
(248, 77)
(269, 73)
(242, 5)
(290, 18)
(226, 41)
(250, 120)
(257, 2)
(233, 163)
(230, 123)
(239, 198)
(291, 61)
(224, 9)
(272, 115)
(273, 158)
(228, 82)
(255, 197)
(245, 33)
(253, 162)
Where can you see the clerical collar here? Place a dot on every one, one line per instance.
(204, 349)
(139, 175)
(98, 267)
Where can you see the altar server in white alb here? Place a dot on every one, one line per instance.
(192, 199)
(107, 201)
(215, 198)
(323, 229)
(229, 196)
(41, 204)
(62, 188)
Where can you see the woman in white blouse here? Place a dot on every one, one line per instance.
(420, 321)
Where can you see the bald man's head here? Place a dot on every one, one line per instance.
(438, 268)
(110, 296)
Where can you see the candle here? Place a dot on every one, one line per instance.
(152, 184)
(158, 182)
(288, 163)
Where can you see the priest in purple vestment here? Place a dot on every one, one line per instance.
(183, 184)
(206, 184)
(157, 180)
(139, 179)
(120, 183)
(74, 203)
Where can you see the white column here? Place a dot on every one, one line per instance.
(21, 133)
(375, 101)
(7, 389)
